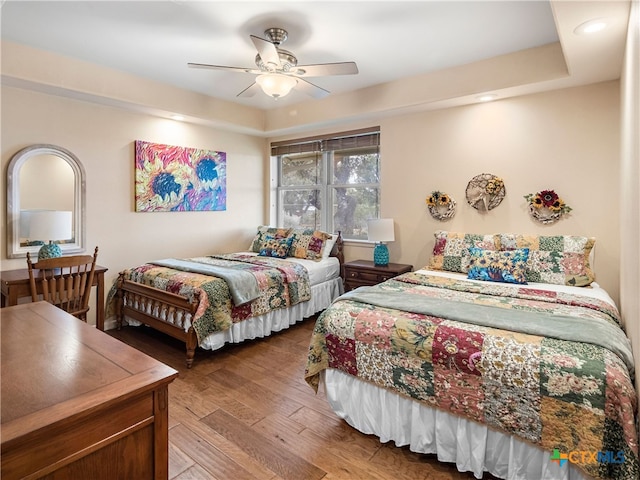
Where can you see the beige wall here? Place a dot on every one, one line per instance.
(566, 140)
(630, 185)
(547, 140)
(46, 182)
(102, 138)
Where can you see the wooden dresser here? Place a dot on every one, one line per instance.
(77, 403)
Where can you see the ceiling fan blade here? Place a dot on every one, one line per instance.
(222, 67)
(250, 91)
(267, 51)
(322, 69)
(310, 89)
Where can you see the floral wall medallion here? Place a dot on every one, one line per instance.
(546, 206)
(441, 206)
(485, 192)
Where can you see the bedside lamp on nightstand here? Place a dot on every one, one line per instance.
(380, 231)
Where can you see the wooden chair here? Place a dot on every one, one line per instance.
(64, 281)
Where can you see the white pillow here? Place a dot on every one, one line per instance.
(328, 246)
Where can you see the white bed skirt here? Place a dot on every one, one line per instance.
(262, 326)
(470, 445)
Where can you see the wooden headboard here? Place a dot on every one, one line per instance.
(338, 252)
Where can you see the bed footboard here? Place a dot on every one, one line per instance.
(168, 312)
(163, 311)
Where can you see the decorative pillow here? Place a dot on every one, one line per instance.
(326, 253)
(558, 259)
(263, 231)
(308, 243)
(277, 247)
(451, 250)
(495, 266)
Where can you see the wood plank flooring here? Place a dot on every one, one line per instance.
(245, 412)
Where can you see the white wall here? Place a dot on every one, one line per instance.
(103, 140)
(565, 140)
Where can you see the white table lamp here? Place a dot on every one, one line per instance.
(25, 224)
(51, 226)
(381, 230)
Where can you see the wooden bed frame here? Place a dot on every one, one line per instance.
(141, 299)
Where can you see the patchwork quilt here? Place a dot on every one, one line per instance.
(280, 284)
(552, 368)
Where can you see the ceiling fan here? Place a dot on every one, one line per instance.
(278, 71)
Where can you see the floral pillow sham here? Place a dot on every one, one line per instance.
(498, 266)
(277, 247)
(554, 259)
(451, 249)
(258, 242)
(308, 243)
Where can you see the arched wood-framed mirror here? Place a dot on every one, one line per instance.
(44, 177)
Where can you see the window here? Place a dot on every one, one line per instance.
(329, 183)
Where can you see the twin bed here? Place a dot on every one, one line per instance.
(502, 355)
(285, 276)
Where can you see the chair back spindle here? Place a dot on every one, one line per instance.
(64, 282)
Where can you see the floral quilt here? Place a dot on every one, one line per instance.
(281, 284)
(549, 390)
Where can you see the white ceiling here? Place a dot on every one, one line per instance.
(389, 40)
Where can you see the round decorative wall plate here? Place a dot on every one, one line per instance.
(546, 206)
(441, 206)
(485, 192)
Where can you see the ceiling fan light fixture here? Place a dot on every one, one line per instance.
(276, 85)
(278, 71)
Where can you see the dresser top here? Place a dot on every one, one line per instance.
(55, 366)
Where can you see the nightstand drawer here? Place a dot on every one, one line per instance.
(367, 276)
(360, 273)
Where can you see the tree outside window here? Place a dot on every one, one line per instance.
(332, 185)
(355, 191)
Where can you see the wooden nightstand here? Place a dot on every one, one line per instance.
(365, 272)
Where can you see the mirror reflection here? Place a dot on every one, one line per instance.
(45, 200)
(46, 185)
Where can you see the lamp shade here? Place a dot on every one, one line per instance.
(25, 222)
(276, 85)
(381, 230)
(50, 225)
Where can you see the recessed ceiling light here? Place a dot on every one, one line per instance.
(487, 97)
(592, 26)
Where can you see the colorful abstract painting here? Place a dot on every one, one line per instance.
(179, 179)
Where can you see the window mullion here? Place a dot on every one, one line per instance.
(279, 209)
(328, 192)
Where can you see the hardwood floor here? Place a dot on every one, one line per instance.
(245, 412)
